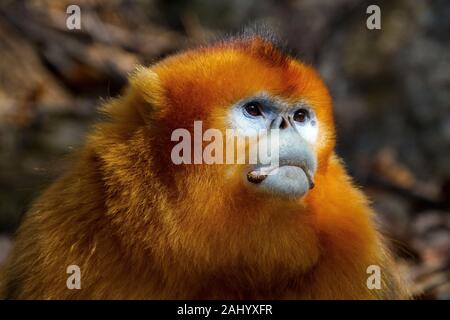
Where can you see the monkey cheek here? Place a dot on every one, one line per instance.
(286, 181)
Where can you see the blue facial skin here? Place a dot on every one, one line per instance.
(297, 162)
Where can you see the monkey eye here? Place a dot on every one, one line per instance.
(301, 115)
(253, 109)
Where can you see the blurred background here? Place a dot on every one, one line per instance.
(391, 90)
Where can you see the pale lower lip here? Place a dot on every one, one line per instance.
(258, 175)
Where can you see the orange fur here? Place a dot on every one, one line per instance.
(141, 227)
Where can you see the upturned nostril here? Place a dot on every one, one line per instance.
(279, 123)
(284, 123)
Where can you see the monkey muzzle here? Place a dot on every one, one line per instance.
(258, 175)
(293, 175)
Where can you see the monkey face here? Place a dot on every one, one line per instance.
(291, 130)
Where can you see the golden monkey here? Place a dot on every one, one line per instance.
(140, 226)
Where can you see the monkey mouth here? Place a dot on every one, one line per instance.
(258, 175)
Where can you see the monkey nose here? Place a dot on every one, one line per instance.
(279, 122)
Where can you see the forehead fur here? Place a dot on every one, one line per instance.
(211, 78)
